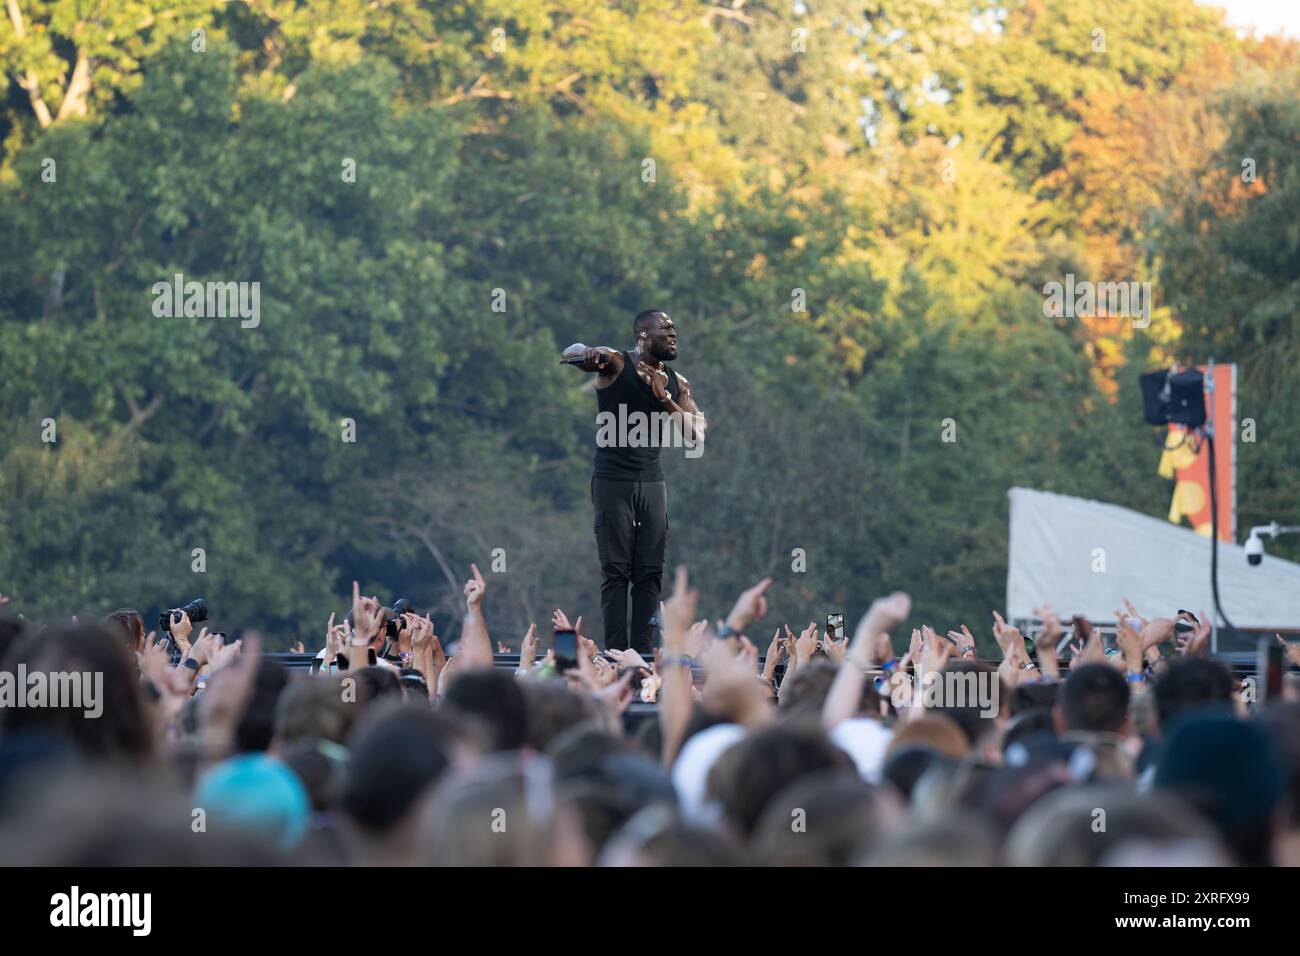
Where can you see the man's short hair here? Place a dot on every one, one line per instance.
(494, 699)
(1190, 684)
(1094, 698)
(644, 319)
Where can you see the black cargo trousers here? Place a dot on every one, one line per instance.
(631, 539)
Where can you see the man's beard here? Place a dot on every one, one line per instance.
(663, 353)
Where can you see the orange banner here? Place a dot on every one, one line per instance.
(1189, 465)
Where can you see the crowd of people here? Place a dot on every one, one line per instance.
(401, 747)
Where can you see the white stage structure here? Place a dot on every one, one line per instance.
(1085, 557)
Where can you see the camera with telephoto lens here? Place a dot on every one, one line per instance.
(394, 614)
(196, 609)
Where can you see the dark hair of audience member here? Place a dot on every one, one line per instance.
(963, 705)
(130, 819)
(581, 750)
(957, 839)
(934, 731)
(501, 812)
(397, 753)
(257, 725)
(552, 709)
(658, 837)
(321, 775)
(375, 684)
(822, 819)
(904, 767)
(1188, 685)
(1035, 695)
(1281, 720)
(602, 808)
(122, 730)
(1026, 725)
(1094, 698)
(805, 691)
(757, 768)
(312, 708)
(1077, 826)
(495, 700)
(130, 626)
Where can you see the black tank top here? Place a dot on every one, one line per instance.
(630, 426)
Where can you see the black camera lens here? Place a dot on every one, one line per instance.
(394, 614)
(196, 609)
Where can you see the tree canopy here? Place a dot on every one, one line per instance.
(851, 210)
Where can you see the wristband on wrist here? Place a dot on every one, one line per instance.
(727, 630)
(191, 663)
(677, 660)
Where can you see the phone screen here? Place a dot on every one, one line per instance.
(566, 649)
(835, 625)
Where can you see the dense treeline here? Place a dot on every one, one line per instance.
(850, 209)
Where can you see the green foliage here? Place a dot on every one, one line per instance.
(1231, 264)
(898, 168)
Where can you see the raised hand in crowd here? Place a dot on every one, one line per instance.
(834, 649)
(475, 642)
(626, 657)
(223, 656)
(367, 618)
(750, 606)
(965, 642)
(475, 588)
(1088, 647)
(336, 638)
(884, 614)
(155, 662)
(676, 692)
(1129, 642)
(1292, 651)
(560, 621)
(850, 679)
(617, 695)
(1049, 637)
(528, 648)
(180, 631)
(772, 659)
(1197, 641)
(935, 650)
(225, 701)
(733, 687)
(1004, 633)
(806, 646)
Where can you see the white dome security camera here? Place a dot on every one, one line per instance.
(1255, 543)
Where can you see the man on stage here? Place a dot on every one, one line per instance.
(627, 483)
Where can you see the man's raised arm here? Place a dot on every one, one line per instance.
(606, 361)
